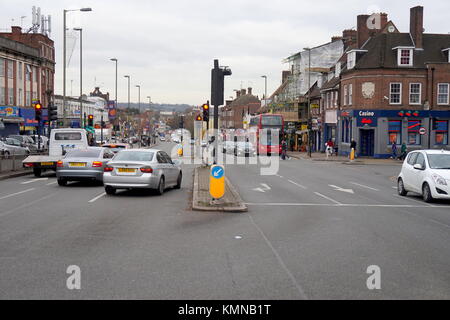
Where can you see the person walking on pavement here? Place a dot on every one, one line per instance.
(283, 149)
(353, 146)
(403, 151)
(394, 150)
(329, 147)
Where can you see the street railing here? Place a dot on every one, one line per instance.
(11, 162)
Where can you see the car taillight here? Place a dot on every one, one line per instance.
(108, 169)
(28, 165)
(97, 164)
(59, 164)
(147, 169)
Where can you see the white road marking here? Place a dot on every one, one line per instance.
(341, 189)
(279, 176)
(49, 184)
(259, 189)
(411, 199)
(298, 185)
(34, 180)
(97, 197)
(273, 204)
(29, 204)
(266, 187)
(363, 186)
(15, 194)
(280, 261)
(325, 197)
(394, 187)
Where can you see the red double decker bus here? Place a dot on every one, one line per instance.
(263, 140)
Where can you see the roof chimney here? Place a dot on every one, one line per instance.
(349, 37)
(416, 26)
(249, 90)
(238, 93)
(16, 30)
(243, 91)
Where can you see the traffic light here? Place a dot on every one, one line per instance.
(198, 118)
(205, 108)
(217, 83)
(52, 112)
(90, 120)
(38, 112)
(181, 122)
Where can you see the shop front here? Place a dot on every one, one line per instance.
(10, 120)
(330, 126)
(374, 131)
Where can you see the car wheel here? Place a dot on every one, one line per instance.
(401, 188)
(110, 190)
(62, 182)
(426, 193)
(37, 172)
(180, 178)
(161, 186)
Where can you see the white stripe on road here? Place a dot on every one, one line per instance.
(273, 204)
(363, 186)
(415, 200)
(15, 194)
(298, 185)
(51, 183)
(29, 204)
(34, 180)
(97, 197)
(325, 197)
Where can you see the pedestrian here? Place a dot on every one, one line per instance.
(403, 151)
(283, 149)
(329, 147)
(353, 146)
(394, 150)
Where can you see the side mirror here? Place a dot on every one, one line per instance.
(418, 166)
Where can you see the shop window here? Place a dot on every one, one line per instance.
(441, 132)
(395, 131)
(346, 130)
(413, 132)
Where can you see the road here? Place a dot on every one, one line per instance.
(310, 233)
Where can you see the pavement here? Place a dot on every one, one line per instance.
(15, 173)
(311, 232)
(318, 156)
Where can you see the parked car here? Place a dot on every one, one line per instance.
(83, 164)
(426, 172)
(26, 141)
(244, 149)
(43, 146)
(10, 147)
(143, 169)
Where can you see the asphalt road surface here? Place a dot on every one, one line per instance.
(311, 233)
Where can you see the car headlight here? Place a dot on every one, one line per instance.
(439, 180)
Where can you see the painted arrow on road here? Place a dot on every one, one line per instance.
(341, 189)
(264, 188)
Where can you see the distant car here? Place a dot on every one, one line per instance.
(26, 141)
(83, 164)
(43, 145)
(10, 147)
(426, 172)
(116, 147)
(162, 138)
(192, 141)
(244, 149)
(142, 169)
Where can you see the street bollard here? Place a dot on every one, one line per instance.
(352, 155)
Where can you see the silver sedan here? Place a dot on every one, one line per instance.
(83, 164)
(142, 169)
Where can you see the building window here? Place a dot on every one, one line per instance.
(395, 93)
(35, 74)
(442, 93)
(350, 94)
(345, 95)
(415, 90)
(10, 66)
(27, 72)
(2, 95)
(10, 96)
(405, 57)
(413, 132)
(2, 67)
(20, 71)
(441, 127)
(346, 130)
(28, 98)
(395, 131)
(20, 97)
(351, 60)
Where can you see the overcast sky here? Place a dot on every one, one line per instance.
(168, 47)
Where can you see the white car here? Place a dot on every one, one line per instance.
(426, 172)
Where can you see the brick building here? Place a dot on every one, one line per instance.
(393, 86)
(27, 68)
(234, 112)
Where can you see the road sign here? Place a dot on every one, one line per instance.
(217, 182)
(422, 131)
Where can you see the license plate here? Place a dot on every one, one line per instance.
(127, 170)
(46, 163)
(77, 164)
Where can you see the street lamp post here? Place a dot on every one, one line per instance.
(265, 89)
(64, 58)
(81, 75)
(128, 77)
(139, 96)
(309, 101)
(115, 121)
(149, 101)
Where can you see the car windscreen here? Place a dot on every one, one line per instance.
(68, 136)
(134, 156)
(83, 154)
(439, 161)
